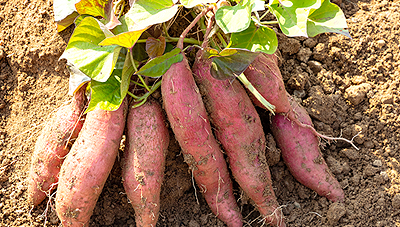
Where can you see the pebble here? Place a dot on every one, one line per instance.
(370, 171)
(358, 80)
(315, 66)
(194, 223)
(299, 93)
(357, 93)
(304, 54)
(2, 104)
(336, 211)
(384, 175)
(380, 43)
(377, 163)
(297, 205)
(396, 202)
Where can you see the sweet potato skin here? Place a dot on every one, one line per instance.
(239, 130)
(189, 122)
(144, 160)
(87, 166)
(301, 153)
(52, 146)
(264, 74)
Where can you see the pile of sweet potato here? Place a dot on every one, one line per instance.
(79, 172)
(216, 125)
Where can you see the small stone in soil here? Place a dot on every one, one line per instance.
(357, 93)
(384, 176)
(380, 43)
(396, 202)
(377, 163)
(315, 66)
(335, 212)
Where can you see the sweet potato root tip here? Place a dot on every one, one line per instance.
(144, 160)
(87, 166)
(52, 146)
(189, 122)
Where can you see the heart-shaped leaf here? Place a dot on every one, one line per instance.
(66, 22)
(328, 18)
(157, 67)
(233, 18)
(126, 39)
(231, 63)
(127, 72)
(109, 95)
(145, 13)
(255, 38)
(94, 8)
(76, 78)
(83, 50)
(155, 47)
(292, 15)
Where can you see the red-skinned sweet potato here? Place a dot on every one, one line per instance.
(52, 146)
(87, 166)
(239, 129)
(143, 161)
(264, 74)
(189, 121)
(302, 155)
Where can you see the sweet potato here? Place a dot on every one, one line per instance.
(302, 155)
(144, 160)
(87, 166)
(264, 74)
(239, 129)
(189, 121)
(52, 146)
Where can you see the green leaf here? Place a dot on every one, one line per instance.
(292, 15)
(109, 95)
(105, 95)
(233, 18)
(193, 3)
(145, 13)
(328, 18)
(231, 63)
(94, 8)
(157, 67)
(255, 38)
(139, 52)
(83, 50)
(126, 39)
(63, 8)
(127, 72)
(76, 78)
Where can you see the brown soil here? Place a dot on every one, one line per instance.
(348, 87)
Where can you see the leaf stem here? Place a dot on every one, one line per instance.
(175, 39)
(257, 94)
(133, 62)
(265, 14)
(133, 96)
(134, 66)
(143, 82)
(269, 22)
(165, 28)
(191, 25)
(222, 39)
